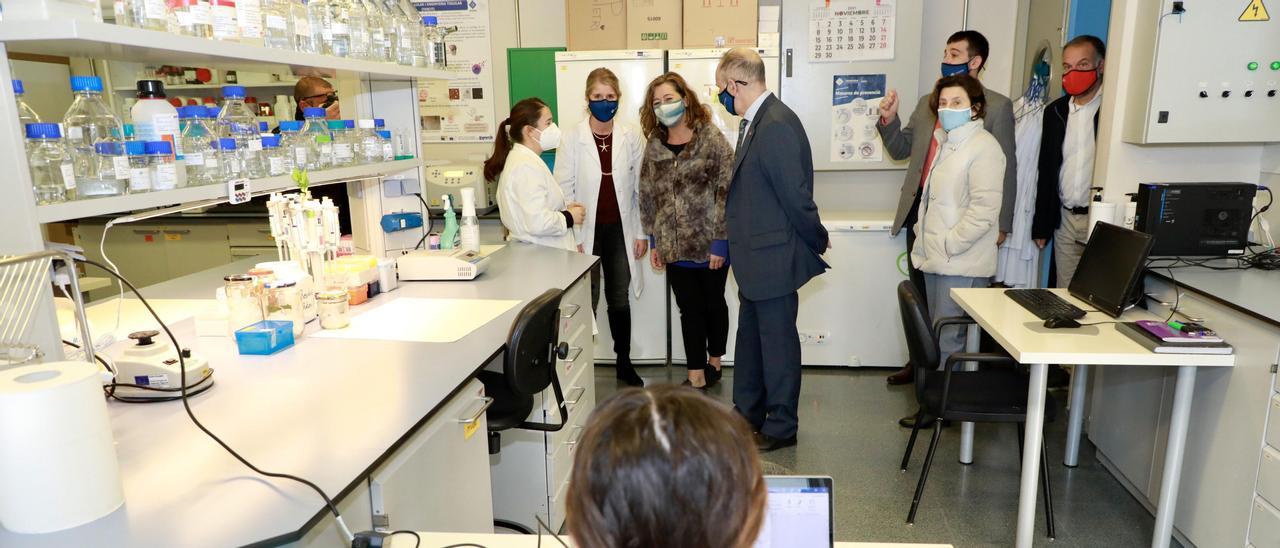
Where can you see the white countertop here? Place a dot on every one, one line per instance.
(1256, 292)
(328, 410)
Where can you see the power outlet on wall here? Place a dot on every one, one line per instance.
(815, 337)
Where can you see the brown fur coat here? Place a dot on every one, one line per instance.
(682, 197)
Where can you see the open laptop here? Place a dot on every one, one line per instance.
(798, 513)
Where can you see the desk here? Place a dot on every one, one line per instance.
(282, 413)
(1022, 334)
(436, 540)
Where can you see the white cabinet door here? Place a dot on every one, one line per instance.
(439, 480)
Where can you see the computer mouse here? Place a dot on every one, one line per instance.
(1060, 323)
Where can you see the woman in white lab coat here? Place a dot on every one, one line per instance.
(598, 164)
(532, 205)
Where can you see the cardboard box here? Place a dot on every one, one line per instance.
(596, 24)
(720, 23)
(655, 24)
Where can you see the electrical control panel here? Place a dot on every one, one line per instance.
(1213, 74)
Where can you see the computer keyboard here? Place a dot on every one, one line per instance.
(1044, 304)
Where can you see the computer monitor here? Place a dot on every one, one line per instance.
(798, 513)
(1110, 267)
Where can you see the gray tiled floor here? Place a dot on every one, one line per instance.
(849, 431)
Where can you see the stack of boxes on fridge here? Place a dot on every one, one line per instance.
(91, 154)
(660, 24)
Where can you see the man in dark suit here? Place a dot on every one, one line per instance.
(1066, 156)
(776, 241)
(966, 53)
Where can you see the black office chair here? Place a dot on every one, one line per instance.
(528, 367)
(992, 394)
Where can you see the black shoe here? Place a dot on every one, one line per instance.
(909, 421)
(702, 388)
(766, 443)
(627, 375)
(902, 376)
(713, 375)
(620, 324)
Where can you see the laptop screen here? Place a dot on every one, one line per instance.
(1109, 269)
(798, 513)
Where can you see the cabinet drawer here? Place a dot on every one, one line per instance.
(1264, 528)
(1269, 475)
(255, 234)
(581, 351)
(557, 505)
(1273, 422)
(583, 401)
(561, 463)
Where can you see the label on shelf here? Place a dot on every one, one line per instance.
(406, 42)
(249, 13)
(211, 161)
(326, 33)
(387, 153)
(75, 133)
(155, 9)
(200, 13)
(224, 23)
(139, 179)
(300, 157)
(342, 151)
(68, 175)
(275, 164)
(302, 27)
(194, 159)
(184, 18)
(339, 29)
(164, 176)
(255, 145)
(121, 166)
(233, 166)
(277, 22)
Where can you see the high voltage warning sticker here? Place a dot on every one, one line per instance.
(1255, 11)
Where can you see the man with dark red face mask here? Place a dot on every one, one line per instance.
(1066, 156)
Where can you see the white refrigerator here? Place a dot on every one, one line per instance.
(634, 68)
(698, 67)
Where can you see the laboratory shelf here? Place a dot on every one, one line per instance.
(214, 87)
(78, 209)
(70, 38)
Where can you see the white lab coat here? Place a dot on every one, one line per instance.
(578, 171)
(1018, 266)
(530, 201)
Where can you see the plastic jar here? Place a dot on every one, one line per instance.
(243, 306)
(357, 294)
(335, 312)
(387, 274)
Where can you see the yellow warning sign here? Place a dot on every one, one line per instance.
(1255, 11)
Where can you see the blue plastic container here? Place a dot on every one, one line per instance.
(265, 337)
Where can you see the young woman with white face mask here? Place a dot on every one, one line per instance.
(959, 219)
(532, 205)
(684, 181)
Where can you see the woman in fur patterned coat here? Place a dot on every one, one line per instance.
(684, 180)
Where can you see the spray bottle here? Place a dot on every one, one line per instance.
(470, 224)
(449, 239)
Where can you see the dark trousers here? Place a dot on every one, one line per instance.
(766, 365)
(611, 247)
(704, 315)
(914, 274)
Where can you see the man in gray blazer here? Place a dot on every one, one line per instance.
(966, 52)
(775, 241)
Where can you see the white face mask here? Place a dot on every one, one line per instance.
(669, 114)
(549, 138)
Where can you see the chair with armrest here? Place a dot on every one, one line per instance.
(991, 394)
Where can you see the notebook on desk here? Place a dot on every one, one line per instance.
(798, 513)
(1160, 346)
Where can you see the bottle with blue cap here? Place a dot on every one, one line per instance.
(425, 55)
(407, 33)
(230, 160)
(388, 151)
(370, 144)
(26, 115)
(277, 161)
(139, 167)
(342, 153)
(317, 130)
(300, 150)
(87, 123)
(52, 174)
(105, 181)
(239, 122)
(154, 119)
(163, 168)
(199, 145)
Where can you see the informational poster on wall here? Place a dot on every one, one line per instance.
(460, 110)
(855, 111)
(851, 30)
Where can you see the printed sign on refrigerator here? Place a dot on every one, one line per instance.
(855, 111)
(851, 30)
(460, 109)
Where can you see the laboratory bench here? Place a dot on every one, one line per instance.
(1230, 487)
(383, 426)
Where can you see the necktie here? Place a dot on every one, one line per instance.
(742, 132)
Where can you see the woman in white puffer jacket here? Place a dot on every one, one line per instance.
(959, 217)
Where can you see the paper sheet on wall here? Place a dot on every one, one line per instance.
(413, 319)
(462, 108)
(855, 110)
(851, 30)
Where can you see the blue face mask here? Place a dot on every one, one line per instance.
(603, 109)
(952, 118)
(952, 70)
(727, 100)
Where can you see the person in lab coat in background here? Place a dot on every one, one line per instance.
(533, 206)
(598, 164)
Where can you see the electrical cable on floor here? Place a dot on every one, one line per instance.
(182, 371)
